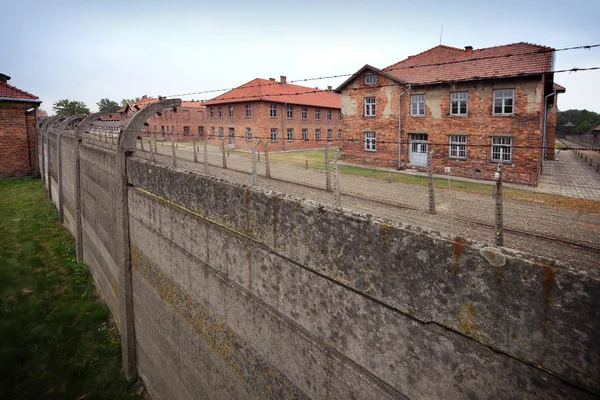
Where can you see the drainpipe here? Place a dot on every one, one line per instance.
(400, 125)
(283, 133)
(546, 124)
(27, 135)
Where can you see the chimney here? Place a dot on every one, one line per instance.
(283, 79)
(4, 78)
(272, 79)
(468, 48)
(329, 88)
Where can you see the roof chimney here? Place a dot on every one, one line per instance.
(4, 78)
(272, 79)
(468, 48)
(329, 88)
(283, 79)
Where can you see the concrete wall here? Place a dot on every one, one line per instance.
(244, 293)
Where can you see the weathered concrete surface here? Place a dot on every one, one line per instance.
(428, 308)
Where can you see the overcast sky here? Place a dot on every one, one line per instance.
(88, 50)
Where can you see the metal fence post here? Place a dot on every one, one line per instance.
(327, 169)
(223, 150)
(499, 221)
(174, 156)
(267, 164)
(194, 148)
(206, 155)
(336, 177)
(430, 182)
(254, 171)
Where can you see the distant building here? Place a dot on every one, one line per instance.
(473, 107)
(292, 116)
(18, 110)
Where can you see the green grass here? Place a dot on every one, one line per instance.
(56, 339)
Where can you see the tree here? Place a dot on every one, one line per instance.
(106, 105)
(125, 101)
(70, 107)
(583, 120)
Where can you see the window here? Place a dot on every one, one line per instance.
(273, 111)
(504, 100)
(290, 134)
(417, 105)
(304, 112)
(186, 131)
(249, 134)
(172, 128)
(220, 111)
(339, 115)
(154, 128)
(167, 129)
(290, 111)
(212, 112)
(317, 134)
(317, 113)
(329, 112)
(230, 111)
(369, 106)
(370, 79)
(274, 134)
(370, 141)
(304, 134)
(329, 134)
(458, 103)
(458, 146)
(162, 129)
(339, 134)
(221, 132)
(212, 131)
(201, 131)
(502, 149)
(248, 110)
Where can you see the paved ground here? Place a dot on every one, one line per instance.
(458, 214)
(570, 175)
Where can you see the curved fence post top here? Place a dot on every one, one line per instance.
(87, 122)
(133, 126)
(64, 125)
(48, 121)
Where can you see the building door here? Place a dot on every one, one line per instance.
(231, 135)
(417, 153)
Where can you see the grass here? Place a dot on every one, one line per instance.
(57, 340)
(316, 160)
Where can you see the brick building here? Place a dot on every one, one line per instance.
(474, 108)
(18, 110)
(295, 117)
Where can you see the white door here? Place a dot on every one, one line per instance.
(417, 153)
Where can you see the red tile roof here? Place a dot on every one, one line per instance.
(12, 92)
(273, 91)
(196, 104)
(596, 128)
(558, 88)
(444, 63)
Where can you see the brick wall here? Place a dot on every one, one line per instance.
(192, 117)
(261, 123)
(479, 126)
(16, 156)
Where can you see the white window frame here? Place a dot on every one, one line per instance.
(317, 114)
(274, 134)
(502, 149)
(290, 134)
(230, 111)
(304, 134)
(370, 141)
(329, 115)
(273, 111)
(501, 98)
(459, 99)
(290, 112)
(220, 112)
(317, 134)
(248, 134)
(417, 105)
(304, 112)
(211, 110)
(458, 147)
(339, 115)
(340, 136)
(371, 79)
(370, 106)
(248, 110)
(329, 134)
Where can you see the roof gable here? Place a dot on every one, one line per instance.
(366, 67)
(11, 92)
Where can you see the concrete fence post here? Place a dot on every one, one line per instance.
(327, 169)
(336, 177)
(430, 182)
(62, 129)
(194, 148)
(254, 168)
(499, 219)
(206, 155)
(223, 151)
(155, 146)
(142, 143)
(126, 147)
(267, 164)
(174, 153)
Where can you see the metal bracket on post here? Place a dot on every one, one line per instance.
(254, 171)
(194, 148)
(206, 155)
(430, 182)
(336, 177)
(223, 150)
(174, 156)
(267, 164)
(499, 219)
(327, 169)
